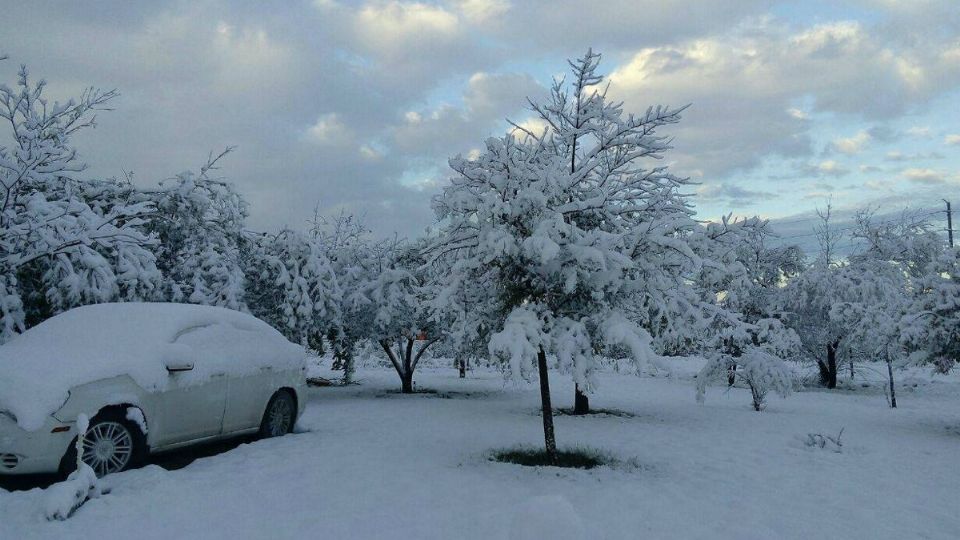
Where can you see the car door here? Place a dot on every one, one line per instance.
(191, 408)
(247, 397)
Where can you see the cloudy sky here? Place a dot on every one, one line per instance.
(358, 104)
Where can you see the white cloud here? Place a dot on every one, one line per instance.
(368, 152)
(832, 168)
(740, 82)
(851, 145)
(952, 140)
(481, 11)
(394, 27)
(924, 176)
(797, 113)
(316, 97)
(327, 129)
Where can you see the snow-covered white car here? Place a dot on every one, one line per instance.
(149, 376)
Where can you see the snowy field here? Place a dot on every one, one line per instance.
(370, 463)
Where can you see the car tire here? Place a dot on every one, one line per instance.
(279, 416)
(122, 445)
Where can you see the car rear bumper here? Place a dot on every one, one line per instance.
(33, 452)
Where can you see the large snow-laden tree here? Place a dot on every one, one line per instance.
(739, 280)
(562, 228)
(292, 285)
(402, 323)
(468, 312)
(749, 283)
(64, 239)
(200, 227)
(356, 260)
(908, 241)
(805, 302)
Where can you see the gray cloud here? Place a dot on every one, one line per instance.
(316, 96)
(732, 194)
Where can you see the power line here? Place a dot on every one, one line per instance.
(846, 228)
(777, 221)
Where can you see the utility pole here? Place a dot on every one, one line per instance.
(949, 223)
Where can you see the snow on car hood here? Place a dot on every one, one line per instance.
(85, 344)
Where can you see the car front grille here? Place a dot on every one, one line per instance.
(9, 461)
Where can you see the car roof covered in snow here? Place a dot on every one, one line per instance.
(89, 343)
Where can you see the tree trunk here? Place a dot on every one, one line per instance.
(893, 393)
(406, 383)
(550, 440)
(832, 366)
(581, 401)
(348, 367)
(462, 364)
(406, 379)
(824, 373)
(731, 374)
(828, 370)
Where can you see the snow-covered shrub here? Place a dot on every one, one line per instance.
(61, 500)
(824, 442)
(756, 368)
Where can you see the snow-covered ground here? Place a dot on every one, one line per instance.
(370, 463)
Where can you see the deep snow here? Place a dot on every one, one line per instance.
(371, 463)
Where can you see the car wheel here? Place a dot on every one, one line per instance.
(112, 444)
(280, 415)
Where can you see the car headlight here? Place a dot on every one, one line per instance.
(9, 415)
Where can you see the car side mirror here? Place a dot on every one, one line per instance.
(177, 366)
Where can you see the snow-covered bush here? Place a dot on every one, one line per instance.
(752, 354)
(756, 368)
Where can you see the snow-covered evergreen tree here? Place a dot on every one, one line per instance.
(64, 240)
(562, 227)
(356, 260)
(292, 286)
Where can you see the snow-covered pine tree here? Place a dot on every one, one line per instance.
(562, 227)
(64, 240)
(292, 286)
(355, 260)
